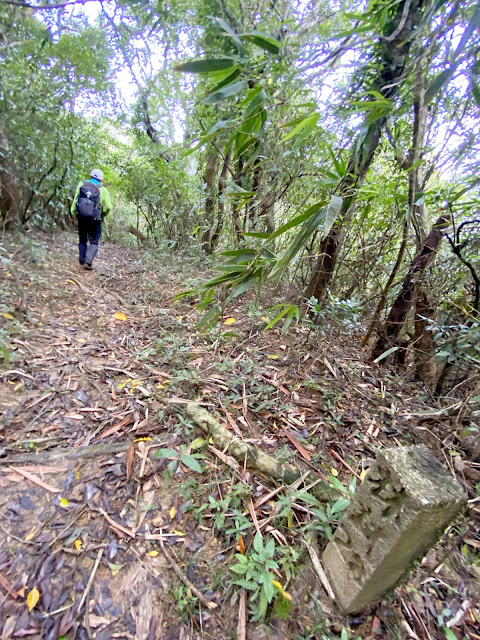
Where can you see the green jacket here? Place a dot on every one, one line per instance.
(105, 202)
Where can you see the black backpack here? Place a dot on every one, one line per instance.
(88, 203)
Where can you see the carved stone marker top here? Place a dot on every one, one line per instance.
(421, 475)
(400, 510)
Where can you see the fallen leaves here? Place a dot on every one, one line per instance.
(230, 321)
(120, 316)
(33, 598)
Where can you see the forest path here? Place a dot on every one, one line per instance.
(77, 392)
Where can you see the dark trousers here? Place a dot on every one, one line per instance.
(89, 231)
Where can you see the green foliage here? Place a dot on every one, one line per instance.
(189, 460)
(254, 573)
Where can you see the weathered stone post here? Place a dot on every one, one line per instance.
(400, 511)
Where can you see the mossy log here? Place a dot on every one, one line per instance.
(255, 459)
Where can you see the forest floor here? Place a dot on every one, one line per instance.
(113, 511)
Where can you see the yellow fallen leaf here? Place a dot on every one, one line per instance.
(264, 318)
(8, 316)
(64, 503)
(180, 318)
(29, 536)
(135, 383)
(172, 513)
(160, 386)
(81, 340)
(145, 439)
(363, 473)
(122, 385)
(179, 533)
(285, 594)
(197, 443)
(71, 282)
(115, 568)
(153, 554)
(272, 356)
(78, 544)
(120, 316)
(32, 598)
(334, 472)
(229, 321)
(77, 474)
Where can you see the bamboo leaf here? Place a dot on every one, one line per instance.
(226, 81)
(205, 65)
(227, 92)
(228, 29)
(323, 218)
(297, 220)
(308, 124)
(437, 84)
(385, 354)
(209, 318)
(262, 40)
(256, 102)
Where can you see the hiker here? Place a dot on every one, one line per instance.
(90, 204)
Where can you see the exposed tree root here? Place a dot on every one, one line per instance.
(255, 458)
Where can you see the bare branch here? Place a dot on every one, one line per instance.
(61, 5)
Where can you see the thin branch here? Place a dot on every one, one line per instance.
(61, 5)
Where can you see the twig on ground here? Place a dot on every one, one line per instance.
(242, 616)
(35, 480)
(90, 580)
(345, 464)
(319, 569)
(8, 587)
(186, 581)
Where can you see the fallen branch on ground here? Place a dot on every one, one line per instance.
(70, 454)
(256, 459)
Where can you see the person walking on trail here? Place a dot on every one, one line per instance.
(90, 204)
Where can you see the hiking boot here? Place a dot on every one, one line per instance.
(88, 267)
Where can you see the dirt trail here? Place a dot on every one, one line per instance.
(76, 524)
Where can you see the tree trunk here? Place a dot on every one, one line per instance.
(222, 183)
(209, 180)
(393, 274)
(424, 347)
(403, 303)
(10, 191)
(237, 205)
(393, 53)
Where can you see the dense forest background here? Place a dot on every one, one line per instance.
(331, 146)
